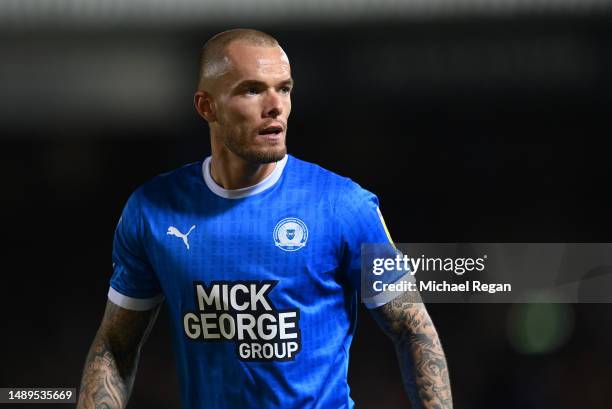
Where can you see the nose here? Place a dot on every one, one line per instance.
(273, 105)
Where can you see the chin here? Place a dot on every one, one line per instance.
(263, 155)
(270, 155)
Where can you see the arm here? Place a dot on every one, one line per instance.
(421, 358)
(110, 367)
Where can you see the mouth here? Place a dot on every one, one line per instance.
(273, 130)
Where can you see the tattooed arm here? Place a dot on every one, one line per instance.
(422, 362)
(111, 363)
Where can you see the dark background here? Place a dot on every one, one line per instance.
(469, 128)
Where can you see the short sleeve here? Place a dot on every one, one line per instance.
(364, 234)
(133, 285)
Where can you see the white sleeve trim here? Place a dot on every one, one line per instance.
(385, 297)
(135, 304)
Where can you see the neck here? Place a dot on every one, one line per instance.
(233, 172)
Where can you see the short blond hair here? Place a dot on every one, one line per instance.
(213, 59)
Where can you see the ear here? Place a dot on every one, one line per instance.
(205, 105)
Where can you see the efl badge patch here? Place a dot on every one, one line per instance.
(290, 234)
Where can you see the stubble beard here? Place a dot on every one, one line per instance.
(238, 143)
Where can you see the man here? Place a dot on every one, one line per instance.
(257, 255)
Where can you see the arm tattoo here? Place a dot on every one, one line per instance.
(422, 361)
(102, 385)
(111, 363)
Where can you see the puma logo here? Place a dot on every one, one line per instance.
(173, 231)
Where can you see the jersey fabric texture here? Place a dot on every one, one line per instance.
(261, 284)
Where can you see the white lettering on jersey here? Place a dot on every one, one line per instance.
(242, 312)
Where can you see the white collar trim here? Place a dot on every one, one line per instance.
(267, 183)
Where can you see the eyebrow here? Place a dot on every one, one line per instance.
(248, 83)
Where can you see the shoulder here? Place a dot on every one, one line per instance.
(168, 185)
(312, 176)
(308, 171)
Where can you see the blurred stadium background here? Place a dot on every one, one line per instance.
(472, 120)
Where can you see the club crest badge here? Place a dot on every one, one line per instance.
(290, 234)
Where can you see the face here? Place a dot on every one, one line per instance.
(252, 103)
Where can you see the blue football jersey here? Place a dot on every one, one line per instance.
(261, 284)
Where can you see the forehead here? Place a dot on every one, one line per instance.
(257, 63)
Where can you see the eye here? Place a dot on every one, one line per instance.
(286, 89)
(251, 91)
